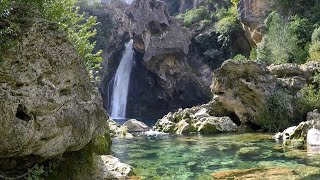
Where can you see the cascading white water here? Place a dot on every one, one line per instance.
(121, 84)
(128, 1)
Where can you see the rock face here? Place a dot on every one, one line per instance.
(252, 14)
(163, 42)
(47, 103)
(242, 87)
(161, 79)
(203, 119)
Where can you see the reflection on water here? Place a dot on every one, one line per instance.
(197, 156)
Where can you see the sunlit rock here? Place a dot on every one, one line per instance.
(134, 125)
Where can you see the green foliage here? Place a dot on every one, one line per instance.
(78, 28)
(314, 51)
(279, 45)
(195, 15)
(36, 173)
(311, 95)
(302, 28)
(227, 24)
(65, 13)
(239, 57)
(276, 114)
(4, 8)
(235, 2)
(253, 54)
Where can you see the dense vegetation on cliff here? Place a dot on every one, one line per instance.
(15, 17)
(290, 33)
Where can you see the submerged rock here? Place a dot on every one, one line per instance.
(257, 173)
(134, 125)
(248, 151)
(48, 105)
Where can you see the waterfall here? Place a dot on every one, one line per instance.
(127, 1)
(121, 84)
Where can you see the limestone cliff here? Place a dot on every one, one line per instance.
(161, 77)
(48, 105)
(252, 14)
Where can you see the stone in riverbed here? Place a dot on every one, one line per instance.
(248, 151)
(192, 120)
(110, 167)
(215, 125)
(134, 125)
(116, 130)
(257, 173)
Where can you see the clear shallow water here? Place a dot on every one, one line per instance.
(197, 156)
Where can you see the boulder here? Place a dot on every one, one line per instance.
(243, 88)
(116, 130)
(134, 125)
(244, 152)
(309, 69)
(267, 173)
(285, 70)
(197, 119)
(110, 167)
(48, 105)
(214, 125)
(304, 134)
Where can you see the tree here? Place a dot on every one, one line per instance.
(314, 51)
(65, 13)
(78, 28)
(279, 45)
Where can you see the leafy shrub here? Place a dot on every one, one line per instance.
(36, 173)
(311, 95)
(227, 24)
(64, 12)
(314, 51)
(239, 57)
(279, 45)
(253, 54)
(277, 113)
(195, 15)
(78, 28)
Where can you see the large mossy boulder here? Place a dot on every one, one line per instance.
(48, 104)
